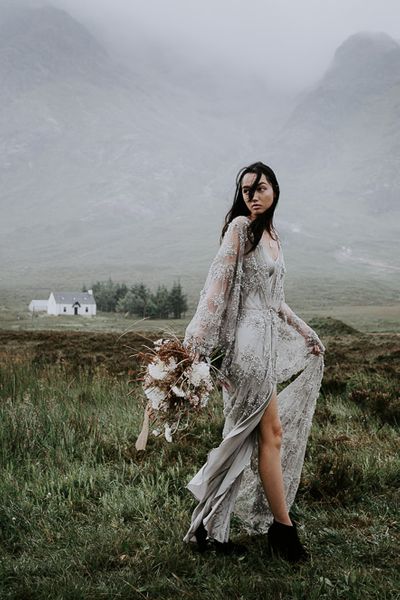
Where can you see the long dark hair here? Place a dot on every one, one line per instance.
(262, 221)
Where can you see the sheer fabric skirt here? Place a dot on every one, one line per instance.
(229, 480)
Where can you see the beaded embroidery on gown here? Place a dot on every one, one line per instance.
(242, 310)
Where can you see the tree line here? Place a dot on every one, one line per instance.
(139, 299)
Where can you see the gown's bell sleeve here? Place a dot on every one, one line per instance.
(290, 317)
(214, 321)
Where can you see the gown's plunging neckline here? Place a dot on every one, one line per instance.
(274, 260)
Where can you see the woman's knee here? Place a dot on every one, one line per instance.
(270, 429)
(272, 437)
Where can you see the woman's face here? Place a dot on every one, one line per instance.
(263, 196)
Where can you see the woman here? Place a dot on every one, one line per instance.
(256, 469)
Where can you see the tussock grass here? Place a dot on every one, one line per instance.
(83, 515)
(376, 394)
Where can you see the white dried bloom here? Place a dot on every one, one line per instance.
(178, 391)
(199, 372)
(157, 369)
(204, 400)
(167, 432)
(155, 395)
(171, 365)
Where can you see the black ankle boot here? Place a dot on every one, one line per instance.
(284, 541)
(201, 538)
(230, 548)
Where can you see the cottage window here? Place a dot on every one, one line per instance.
(87, 309)
(65, 309)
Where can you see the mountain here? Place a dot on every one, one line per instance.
(341, 144)
(95, 158)
(126, 168)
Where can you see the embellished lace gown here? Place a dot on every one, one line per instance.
(242, 310)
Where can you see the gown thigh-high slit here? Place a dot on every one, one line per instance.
(242, 309)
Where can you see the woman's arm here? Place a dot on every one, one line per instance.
(221, 288)
(290, 317)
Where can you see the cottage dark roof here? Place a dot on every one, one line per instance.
(71, 297)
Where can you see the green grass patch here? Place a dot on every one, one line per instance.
(83, 515)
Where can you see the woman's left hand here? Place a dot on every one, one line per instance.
(316, 349)
(314, 344)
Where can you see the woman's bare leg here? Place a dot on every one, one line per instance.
(269, 461)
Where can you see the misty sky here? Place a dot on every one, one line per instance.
(290, 41)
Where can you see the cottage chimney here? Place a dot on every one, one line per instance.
(90, 292)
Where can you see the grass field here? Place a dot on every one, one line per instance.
(85, 516)
(355, 307)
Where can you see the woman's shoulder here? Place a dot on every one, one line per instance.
(240, 221)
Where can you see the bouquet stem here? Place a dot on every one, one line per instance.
(141, 441)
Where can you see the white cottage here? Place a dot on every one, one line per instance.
(72, 303)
